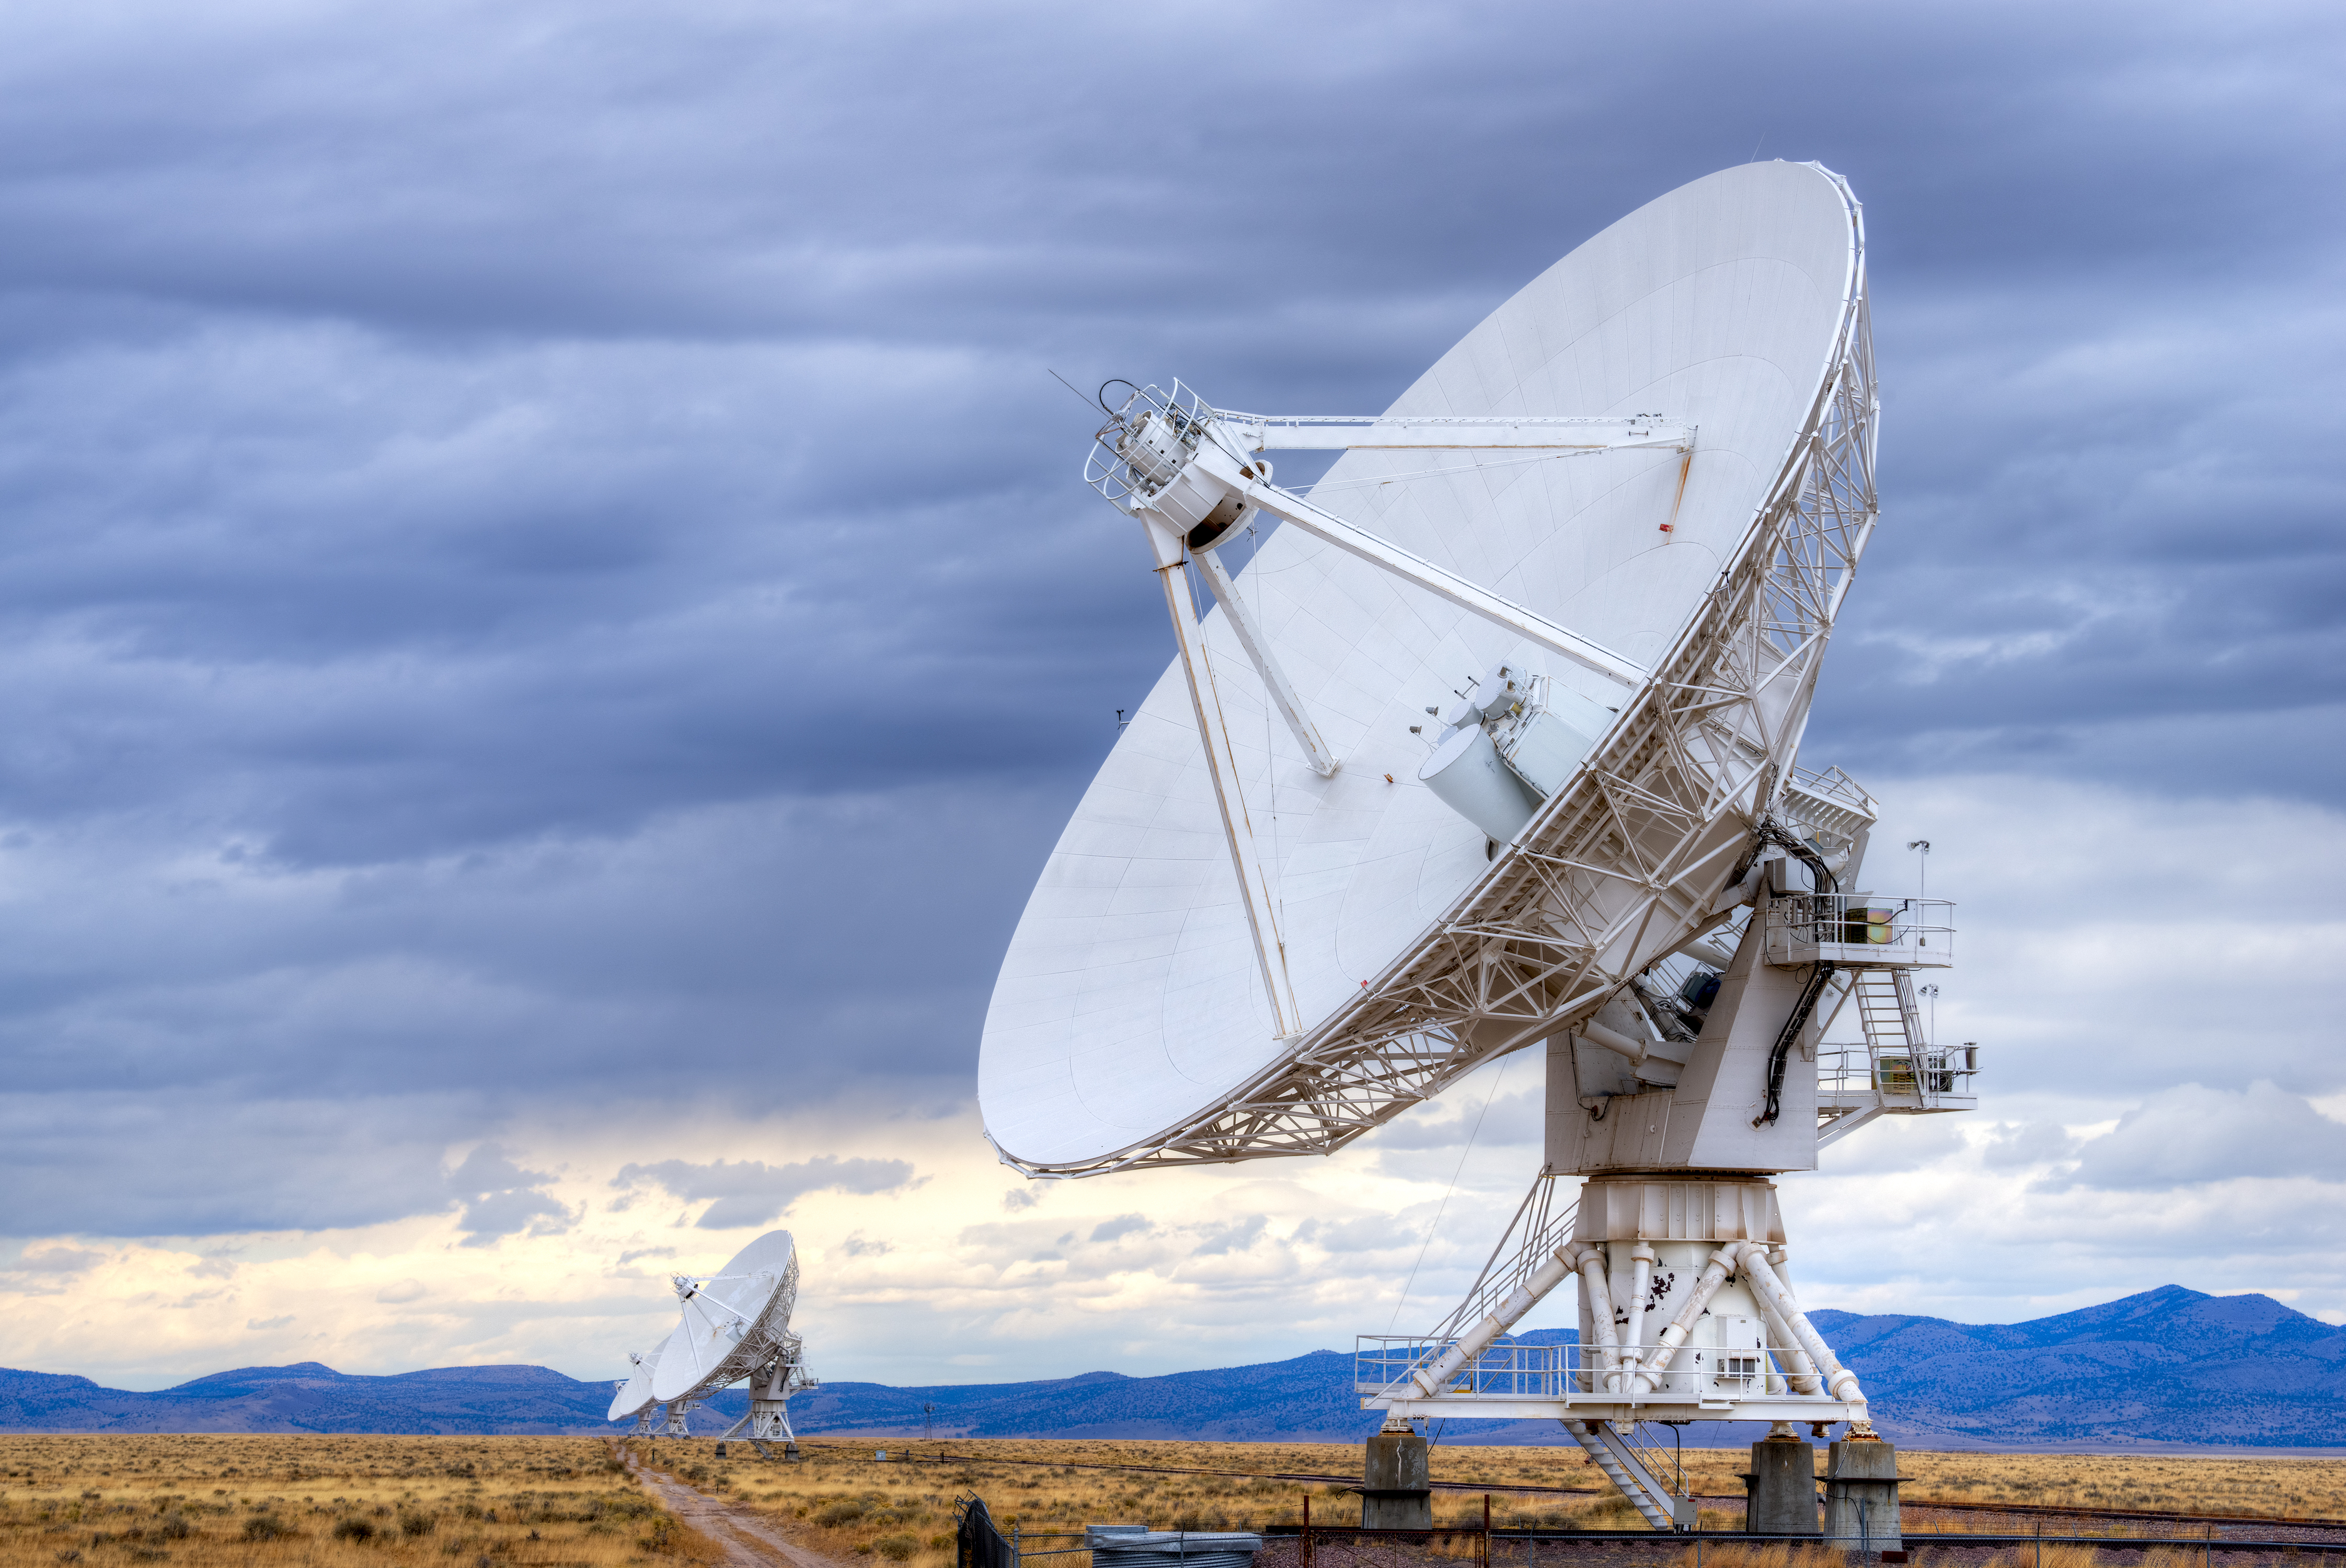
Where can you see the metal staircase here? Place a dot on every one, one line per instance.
(1633, 1466)
(1886, 1010)
(1899, 1073)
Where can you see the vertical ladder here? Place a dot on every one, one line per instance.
(1614, 1455)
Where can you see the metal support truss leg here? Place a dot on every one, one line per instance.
(769, 1419)
(1553, 1271)
(679, 1422)
(1472, 598)
(1221, 764)
(1274, 679)
(770, 1423)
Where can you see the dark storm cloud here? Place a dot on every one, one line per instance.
(500, 1198)
(536, 535)
(751, 1192)
(197, 1165)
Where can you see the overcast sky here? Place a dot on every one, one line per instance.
(547, 622)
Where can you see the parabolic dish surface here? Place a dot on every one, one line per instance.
(1130, 1000)
(636, 1391)
(699, 1355)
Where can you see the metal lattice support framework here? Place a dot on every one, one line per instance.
(1626, 863)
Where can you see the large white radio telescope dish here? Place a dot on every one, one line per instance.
(734, 1321)
(1406, 917)
(735, 1324)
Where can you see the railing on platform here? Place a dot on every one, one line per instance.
(1511, 1369)
(1924, 1075)
(1859, 930)
(1543, 1232)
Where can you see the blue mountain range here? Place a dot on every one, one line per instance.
(2169, 1367)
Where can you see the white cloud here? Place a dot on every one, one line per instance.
(2109, 1158)
(754, 1193)
(2192, 1134)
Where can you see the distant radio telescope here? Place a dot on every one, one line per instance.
(733, 1323)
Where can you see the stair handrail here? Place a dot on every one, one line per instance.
(1497, 1281)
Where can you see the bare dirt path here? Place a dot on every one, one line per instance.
(750, 1539)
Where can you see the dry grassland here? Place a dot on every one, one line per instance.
(2253, 1488)
(844, 1502)
(269, 1502)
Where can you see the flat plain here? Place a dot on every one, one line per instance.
(288, 1501)
(1052, 1483)
(845, 1502)
(279, 1501)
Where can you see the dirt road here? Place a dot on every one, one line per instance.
(751, 1539)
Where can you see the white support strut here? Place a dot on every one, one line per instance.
(1673, 1338)
(1442, 584)
(1558, 1268)
(1221, 764)
(1184, 472)
(1838, 1379)
(1799, 1370)
(1633, 1335)
(1607, 1357)
(1540, 433)
(1274, 679)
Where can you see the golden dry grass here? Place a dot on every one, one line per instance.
(843, 1501)
(2256, 1488)
(271, 1501)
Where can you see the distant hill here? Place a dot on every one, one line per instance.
(310, 1398)
(2168, 1366)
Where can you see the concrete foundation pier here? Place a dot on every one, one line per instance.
(1393, 1490)
(1861, 1496)
(1783, 1488)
